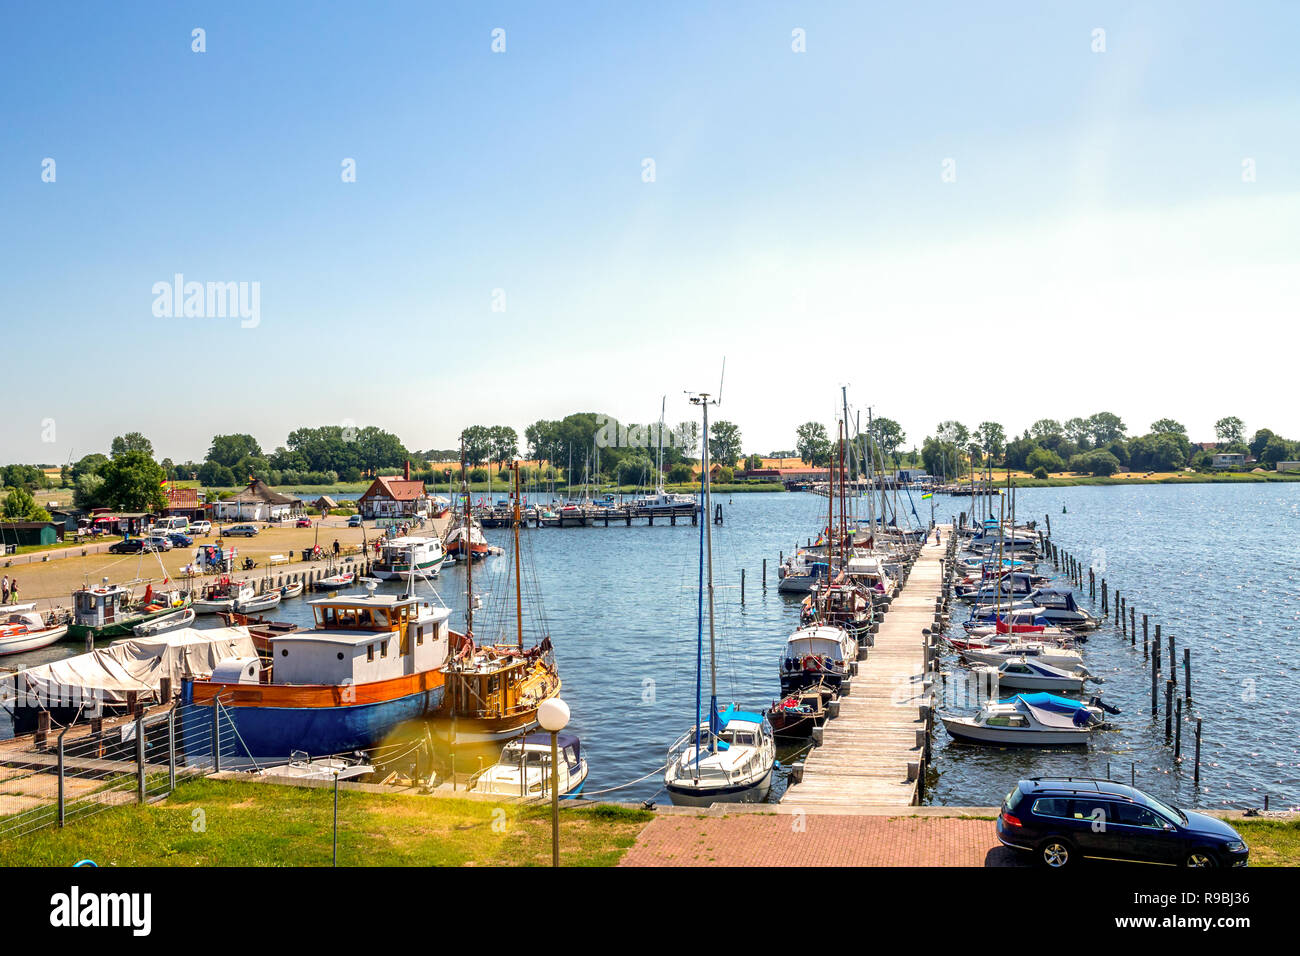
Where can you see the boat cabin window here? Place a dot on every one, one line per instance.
(740, 737)
(383, 648)
(353, 618)
(419, 635)
(1012, 720)
(370, 652)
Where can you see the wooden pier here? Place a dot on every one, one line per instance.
(873, 753)
(603, 516)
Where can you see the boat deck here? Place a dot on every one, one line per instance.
(871, 753)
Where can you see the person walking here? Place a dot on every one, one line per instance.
(13, 591)
(4, 590)
(336, 547)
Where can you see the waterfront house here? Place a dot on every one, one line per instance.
(394, 497)
(257, 502)
(183, 503)
(1228, 459)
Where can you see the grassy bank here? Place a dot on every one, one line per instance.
(225, 823)
(1063, 480)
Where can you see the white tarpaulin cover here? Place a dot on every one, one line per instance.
(135, 664)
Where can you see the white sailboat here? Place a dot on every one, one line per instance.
(727, 756)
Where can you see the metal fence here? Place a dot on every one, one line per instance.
(84, 769)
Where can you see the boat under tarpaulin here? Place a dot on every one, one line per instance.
(138, 665)
(1055, 712)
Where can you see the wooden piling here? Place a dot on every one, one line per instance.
(1132, 628)
(1173, 661)
(1178, 730)
(742, 585)
(1187, 673)
(1145, 649)
(1169, 711)
(765, 574)
(1196, 773)
(1155, 672)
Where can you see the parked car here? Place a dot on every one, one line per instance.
(127, 546)
(200, 527)
(158, 542)
(241, 530)
(354, 521)
(180, 539)
(303, 523)
(1061, 819)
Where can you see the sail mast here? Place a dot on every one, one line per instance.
(466, 544)
(519, 589)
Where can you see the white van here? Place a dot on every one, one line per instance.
(167, 525)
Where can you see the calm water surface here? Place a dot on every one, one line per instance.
(1215, 565)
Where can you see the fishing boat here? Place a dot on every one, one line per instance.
(461, 544)
(258, 602)
(794, 716)
(726, 756)
(1035, 719)
(1027, 673)
(495, 686)
(841, 605)
(369, 664)
(259, 628)
(112, 610)
(223, 595)
(168, 622)
(524, 768)
(23, 629)
(399, 556)
(817, 653)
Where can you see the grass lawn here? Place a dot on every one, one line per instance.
(227, 823)
(1271, 842)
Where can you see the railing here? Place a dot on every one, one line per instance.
(86, 770)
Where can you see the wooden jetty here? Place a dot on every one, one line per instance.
(873, 752)
(598, 515)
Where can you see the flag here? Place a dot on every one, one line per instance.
(928, 494)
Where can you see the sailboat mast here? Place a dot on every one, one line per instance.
(467, 546)
(519, 587)
(707, 517)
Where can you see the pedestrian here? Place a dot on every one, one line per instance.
(13, 591)
(336, 547)
(4, 590)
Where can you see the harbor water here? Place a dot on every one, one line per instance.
(1214, 564)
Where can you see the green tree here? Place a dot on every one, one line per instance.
(19, 504)
(953, 433)
(724, 443)
(1104, 428)
(89, 465)
(811, 443)
(1230, 430)
(1258, 443)
(991, 437)
(133, 482)
(229, 450)
(1078, 431)
(681, 473)
(754, 462)
(87, 491)
(889, 437)
(131, 441)
(1167, 426)
(505, 443)
(1044, 458)
(1046, 428)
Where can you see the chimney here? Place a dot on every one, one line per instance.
(408, 469)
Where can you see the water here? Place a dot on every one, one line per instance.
(1213, 564)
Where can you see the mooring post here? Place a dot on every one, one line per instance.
(765, 574)
(1187, 673)
(1169, 710)
(1132, 628)
(1196, 774)
(1173, 661)
(1155, 671)
(742, 585)
(1105, 608)
(1178, 730)
(1145, 649)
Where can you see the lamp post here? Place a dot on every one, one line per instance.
(553, 716)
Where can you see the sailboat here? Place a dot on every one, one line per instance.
(728, 756)
(662, 500)
(494, 690)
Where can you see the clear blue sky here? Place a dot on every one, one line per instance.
(1098, 229)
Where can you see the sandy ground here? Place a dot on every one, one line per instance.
(52, 582)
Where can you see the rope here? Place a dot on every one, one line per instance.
(622, 786)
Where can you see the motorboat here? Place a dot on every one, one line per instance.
(1042, 651)
(399, 556)
(302, 767)
(1039, 719)
(1058, 606)
(815, 654)
(524, 768)
(728, 759)
(223, 595)
(168, 622)
(112, 610)
(259, 602)
(23, 629)
(794, 716)
(801, 573)
(291, 590)
(1027, 673)
(336, 581)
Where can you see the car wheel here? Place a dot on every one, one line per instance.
(1202, 859)
(1055, 853)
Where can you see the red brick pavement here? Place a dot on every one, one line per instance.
(785, 839)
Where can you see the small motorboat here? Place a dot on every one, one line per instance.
(333, 582)
(794, 716)
(168, 622)
(1024, 673)
(303, 767)
(291, 590)
(524, 768)
(259, 602)
(1031, 719)
(1041, 651)
(222, 596)
(23, 629)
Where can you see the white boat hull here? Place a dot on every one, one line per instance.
(168, 622)
(684, 795)
(32, 640)
(966, 729)
(263, 602)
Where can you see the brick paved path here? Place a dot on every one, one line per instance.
(754, 839)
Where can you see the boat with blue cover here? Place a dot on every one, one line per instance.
(1040, 719)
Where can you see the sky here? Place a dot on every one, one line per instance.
(955, 213)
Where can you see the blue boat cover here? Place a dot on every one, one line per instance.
(731, 714)
(1046, 701)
